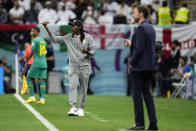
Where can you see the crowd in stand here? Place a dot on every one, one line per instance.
(171, 69)
(60, 12)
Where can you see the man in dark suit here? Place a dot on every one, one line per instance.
(142, 65)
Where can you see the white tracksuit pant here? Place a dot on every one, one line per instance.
(78, 77)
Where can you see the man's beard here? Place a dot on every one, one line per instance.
(136, 20)
(74, 32)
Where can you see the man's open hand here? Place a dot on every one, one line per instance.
(45, 24)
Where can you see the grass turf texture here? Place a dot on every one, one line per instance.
(173, 114)
(15, 117)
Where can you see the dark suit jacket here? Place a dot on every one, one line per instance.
(142, 48)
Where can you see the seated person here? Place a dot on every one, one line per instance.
(175, 75)
(16, 14)
(7, 75)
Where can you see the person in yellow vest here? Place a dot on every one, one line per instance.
(164, 15)
(182, 15)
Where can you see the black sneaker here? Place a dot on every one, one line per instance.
(152, 128)
(135, 127)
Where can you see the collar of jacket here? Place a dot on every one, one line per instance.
(143, 22)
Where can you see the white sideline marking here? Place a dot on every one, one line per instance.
(122, 129)
(37, 114)
(96, 117)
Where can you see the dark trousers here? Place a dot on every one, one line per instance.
(89, 91)
(140, 91)
(129, 84)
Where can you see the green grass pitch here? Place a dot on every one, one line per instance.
(172, 114)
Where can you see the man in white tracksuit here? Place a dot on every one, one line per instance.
(80, 47)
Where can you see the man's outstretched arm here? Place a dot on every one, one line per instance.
(55, 39)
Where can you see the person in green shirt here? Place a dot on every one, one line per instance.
(38, 68)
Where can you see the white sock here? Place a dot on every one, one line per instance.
(42, 99)
(32, 97)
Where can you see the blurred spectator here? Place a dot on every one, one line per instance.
(175, 54)
(31, 15)
(129, 2)
(21, 60)
(69, 4)
(182, 15)
(122, 12)
(161, 60)
(129, 78)
(93, 67)
(49, 59)
(61, 4)
(193, 58)
(104, 19)
(7, 75)
(22, 57)
(164, 15)
(7, 4)
(1, 78)
(175, 76)
(54, 4)
(25, 4)
(47, 14)
(65, 15)
(158, 49)
(28, 47)
(123, 9)
(80, 8)
(156, 5)
(3, 15)
(42, 1)
(36, 5)
(193, 64)
(130, 19)
(161, 72)
(109, 7)
(16, 14)
(152, 18)
(146, 2)
(160, 67)
(98, 4)
(90, 15)
(65, 82)
(49, 55)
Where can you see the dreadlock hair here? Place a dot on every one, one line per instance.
(82, 34)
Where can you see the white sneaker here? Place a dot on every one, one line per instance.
(73, 112)
(80, 112)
